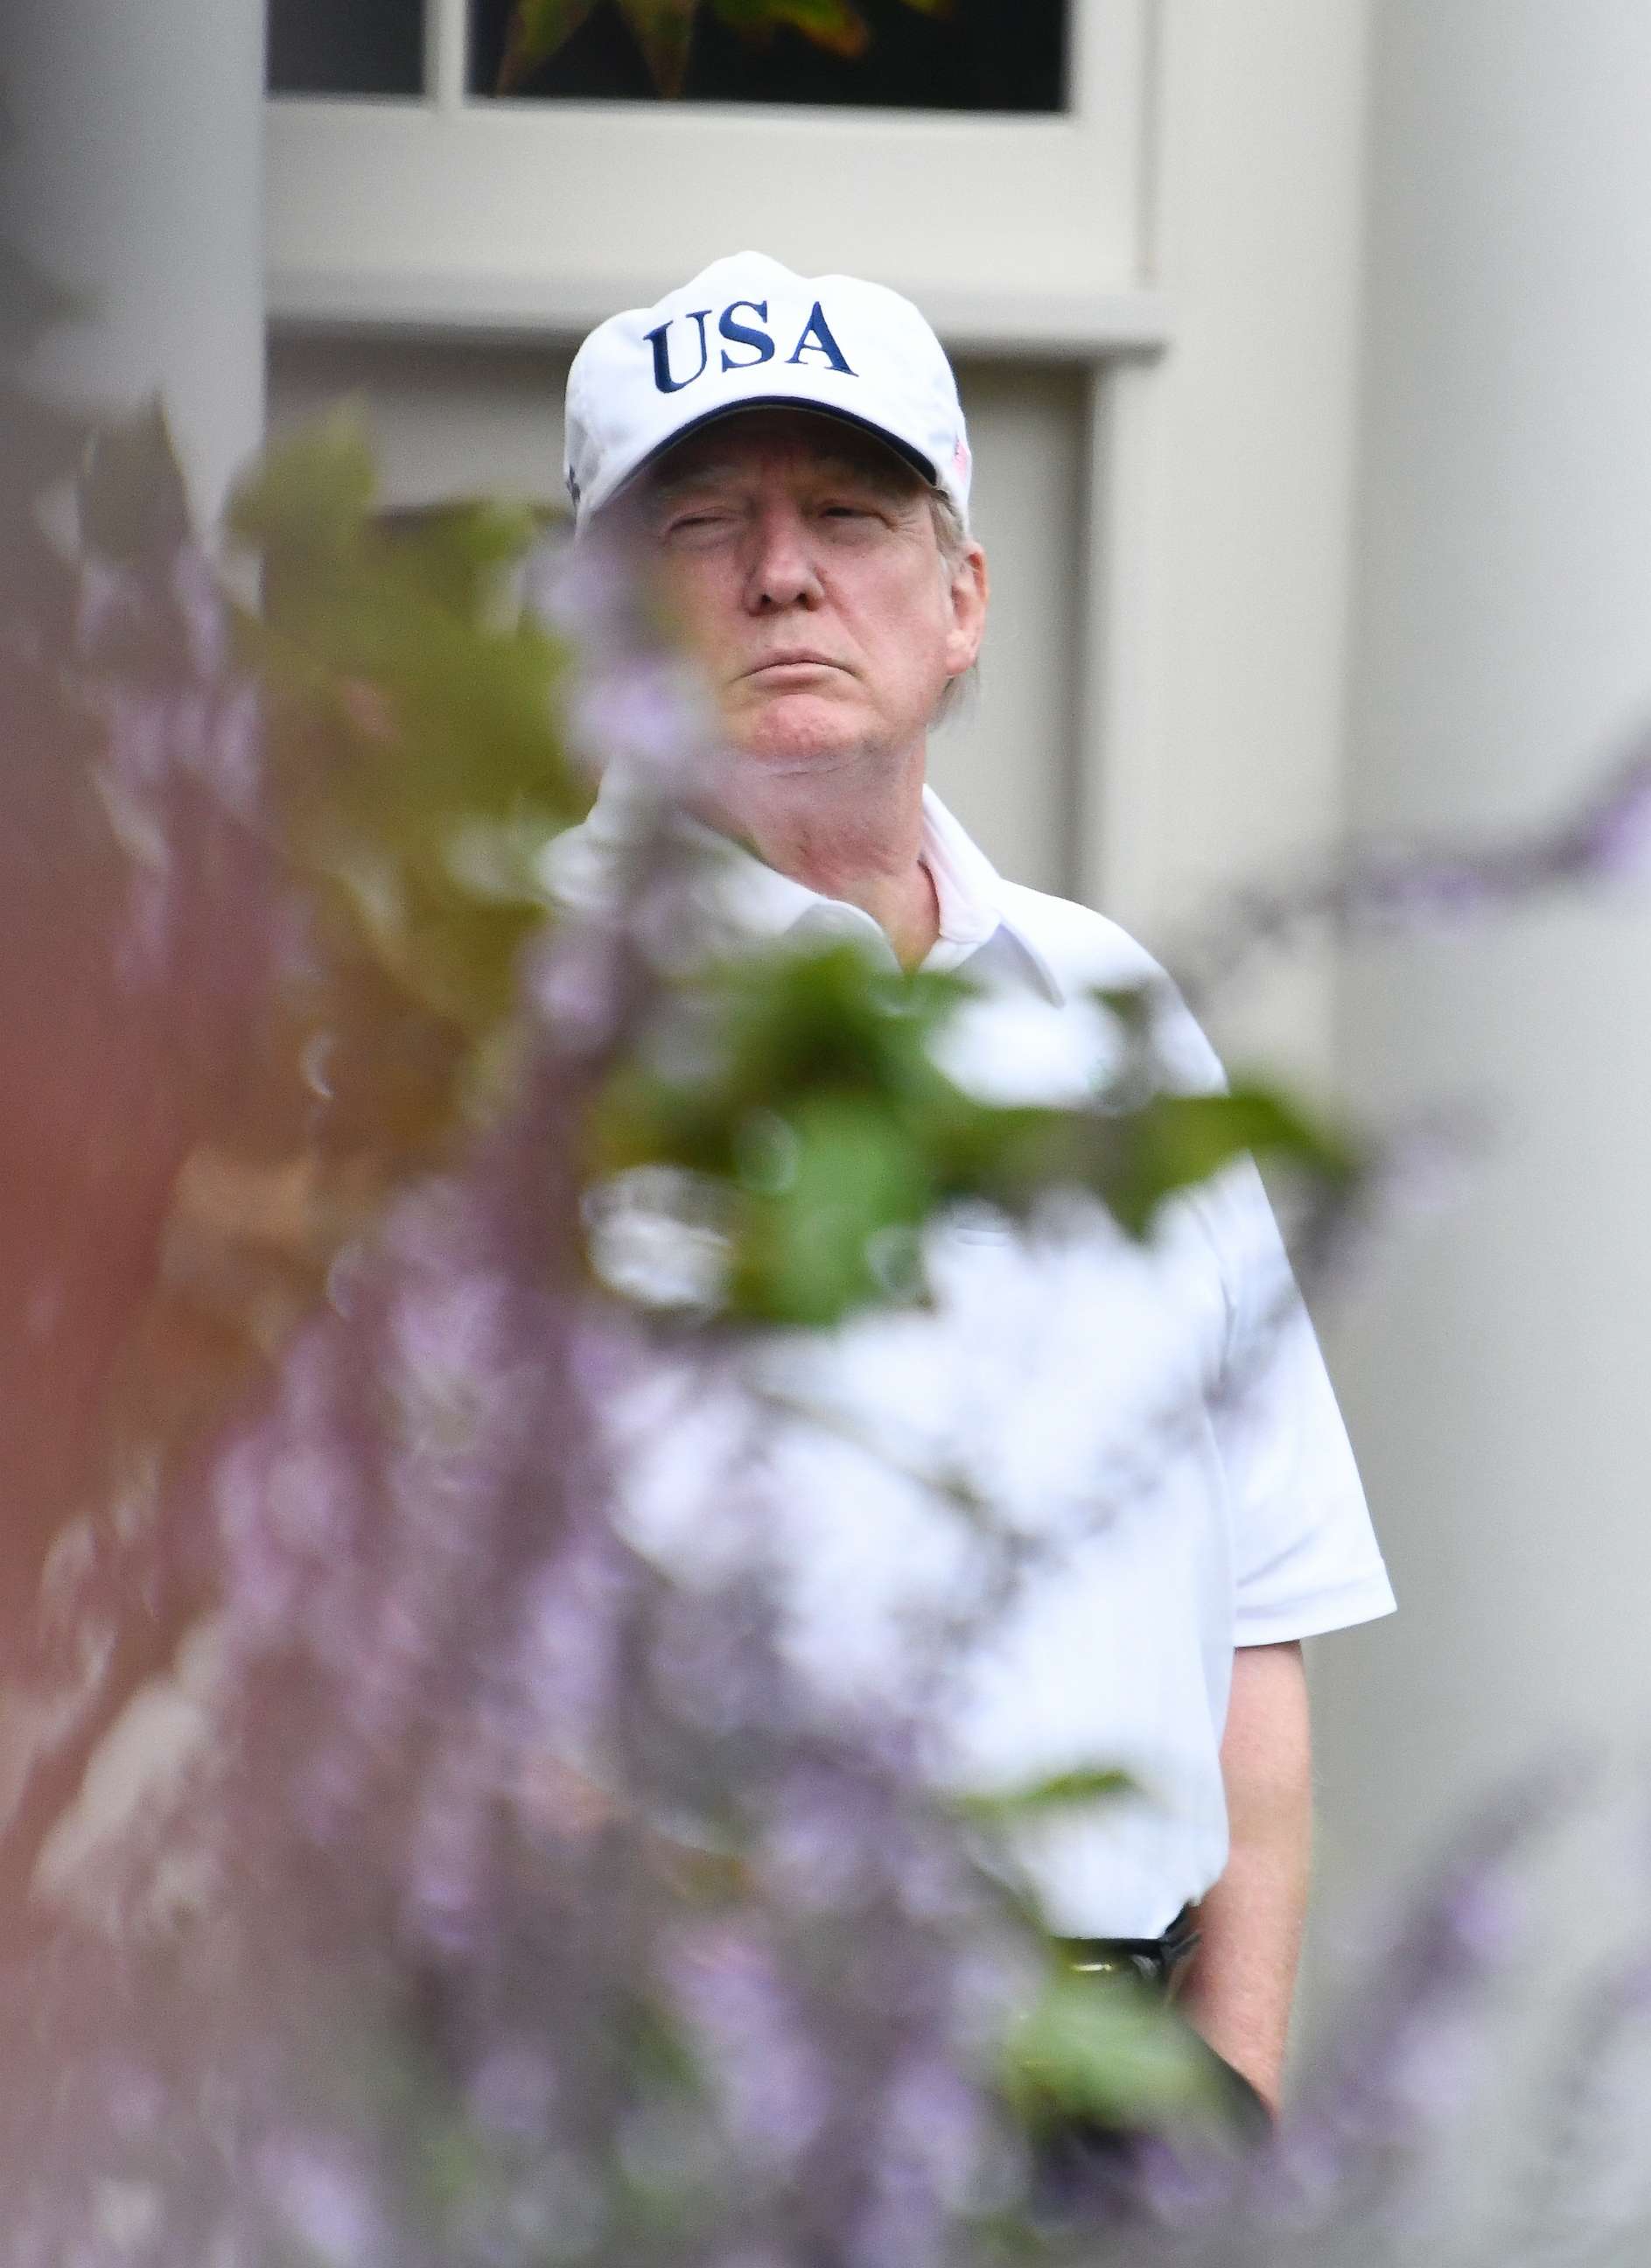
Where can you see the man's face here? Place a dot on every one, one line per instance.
(803, 560)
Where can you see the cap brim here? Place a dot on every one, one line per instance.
(920, 464)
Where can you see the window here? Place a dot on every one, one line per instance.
(973, 55)
(371, 47)
(1009, 219)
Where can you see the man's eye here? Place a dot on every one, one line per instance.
(696, 523)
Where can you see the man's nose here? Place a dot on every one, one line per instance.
(781, 572)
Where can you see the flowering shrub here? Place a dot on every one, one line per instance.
(499, 1897)
(405, 1866)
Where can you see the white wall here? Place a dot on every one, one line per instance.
(1219, 750)
(1497, 1383)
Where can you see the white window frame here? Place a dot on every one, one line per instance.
(458, 215)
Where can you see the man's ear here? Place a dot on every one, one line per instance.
(970, 590)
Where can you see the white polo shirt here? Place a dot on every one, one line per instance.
(1150, 1427)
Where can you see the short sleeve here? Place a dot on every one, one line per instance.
(1305, 1556)
(1306, 1559)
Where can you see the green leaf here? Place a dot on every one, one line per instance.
(809, 1254)
(835, 25)
(1134, 1005)
(311, 495)
(1174, 1142)
(416, 746)
(834, 1049)
(767, 1035)
(1107, 2050)
(132, 501)
(458, 554)
(664, 31)
(804, 1084)
(1060, 1792)
(537, 29)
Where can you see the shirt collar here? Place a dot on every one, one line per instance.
(745, 901)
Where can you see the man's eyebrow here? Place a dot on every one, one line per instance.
(829, 464)
(664, 486)
(841, 465)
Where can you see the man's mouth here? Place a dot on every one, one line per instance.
(800, 658)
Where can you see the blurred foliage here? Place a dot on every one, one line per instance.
(1106, 2053)
(275, 873)
(417, 771)
(330, 810)
(664, 30)
(274, 877)
(133, 512)
(106, 1081)
(415, 752)
(1052, 1795)
(267, 874)
(806, 1096)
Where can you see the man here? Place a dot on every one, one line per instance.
(793, 454)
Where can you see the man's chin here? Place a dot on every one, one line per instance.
(798, 742)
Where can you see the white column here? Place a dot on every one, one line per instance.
(1223, 478)
(1497, 1383)
(133, 171)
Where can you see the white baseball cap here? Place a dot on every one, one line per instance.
(747, 333)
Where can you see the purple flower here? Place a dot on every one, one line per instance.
(574, 988)
(324, 2200)
(776, 2094)
(649, 716)
(512, 2091)
(1612, 838)
(586, 590)
(445, 1866)
(198, 596)
(935, 2124)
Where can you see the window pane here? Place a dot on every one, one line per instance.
(980, 54)
(346, 47)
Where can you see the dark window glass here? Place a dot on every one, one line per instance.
(346, 47)
(980, 54)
